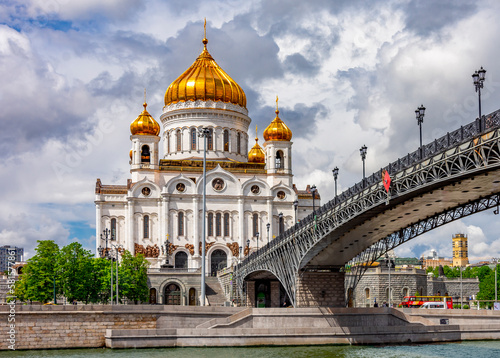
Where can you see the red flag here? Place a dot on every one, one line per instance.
(387, 181)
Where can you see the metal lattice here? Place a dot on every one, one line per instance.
(460, 154)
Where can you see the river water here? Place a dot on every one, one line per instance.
(471, 349)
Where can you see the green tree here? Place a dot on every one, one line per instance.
(133, 278)
(74, 267)
(98, 283)
(40, 272)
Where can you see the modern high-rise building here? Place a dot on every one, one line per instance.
(460, 251)
(9, 252)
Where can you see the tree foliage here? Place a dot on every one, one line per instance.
(80, 276)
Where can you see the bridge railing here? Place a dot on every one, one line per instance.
(450, 140)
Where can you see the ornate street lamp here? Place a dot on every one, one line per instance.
(419, 113)
(313, 192)
(335, 172)
(268, 226)
(478, 79)
(389, 264)
(257, 238)
(205, 133)
(117, 250)
(248, 246)
(295, 206)
(362, 152)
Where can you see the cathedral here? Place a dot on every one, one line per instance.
(250, 195)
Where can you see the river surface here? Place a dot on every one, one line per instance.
(471, 349)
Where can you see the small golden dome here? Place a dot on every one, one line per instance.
(256, 154)
(277, 129)
(130, 154)
(145, 124)
(205, 81)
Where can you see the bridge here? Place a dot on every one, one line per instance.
(450, 178)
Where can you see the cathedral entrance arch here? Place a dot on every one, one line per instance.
(173, 295)
(218, 261)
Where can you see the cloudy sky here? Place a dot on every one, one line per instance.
(347, 73)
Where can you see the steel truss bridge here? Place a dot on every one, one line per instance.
(453, 177)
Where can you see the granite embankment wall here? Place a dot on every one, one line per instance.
(43, 327)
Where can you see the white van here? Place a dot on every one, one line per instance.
(438, 305)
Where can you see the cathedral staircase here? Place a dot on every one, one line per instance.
(214, 291)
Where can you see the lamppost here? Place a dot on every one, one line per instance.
(295, 206)
(389, 264)
(117, 251)
(280, 223)
(268, 226)
(478, 79)
(248, 246)
(461, 291)
(205, 133)
(335, 172)
(257, 238)
(313, 192)
(103, 252)
(419, 113)
(362, 152)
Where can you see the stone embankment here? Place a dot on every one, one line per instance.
(42, 327)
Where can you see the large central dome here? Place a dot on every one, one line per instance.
(205, 81)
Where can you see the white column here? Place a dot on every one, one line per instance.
(160, 226)
(196, 227)
(137, 157)
(241, 209)
(98, 228)
(130, 226)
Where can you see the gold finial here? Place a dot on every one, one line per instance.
(277, 110)
(256, 135)
(145, 103)
(205, 41)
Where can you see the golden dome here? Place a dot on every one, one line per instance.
(256, 154)
(145, 124)
(205, 81)
(130, 154)
(277, 129)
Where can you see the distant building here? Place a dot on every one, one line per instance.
(14, 253)
(460, 251)
(434, 260)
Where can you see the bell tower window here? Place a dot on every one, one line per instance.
(238, 143)
(113, 229)
(181, 223)
(210, 224)
(145, 226)
(255, 225)
(210, 140)
(145, 155)
(279, 159)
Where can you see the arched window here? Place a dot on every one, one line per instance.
(255, 225)
(180, 223)
(113, 229)
(226, 140)
(179, 140)
(193, 138)
(181, 260)
(145, 155)
(279, 159)
(238, 143)
(218, 224)
(226, 224)
(210, 224)
(145, 226)
(367, 293)
(281, 224)
(210, 140)
(168, 142)
(405, 291)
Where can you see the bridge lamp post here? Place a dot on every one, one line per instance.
(295, 206)
(335, 172)
(205, 133)
(103, 252)
(248, 246)
(478, 78)
(362, 152)
(389, 264)
(313, 192)
(268, 226)
(419, 113)
(257, 238)
(117, 250)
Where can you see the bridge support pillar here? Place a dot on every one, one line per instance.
(320, 289)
